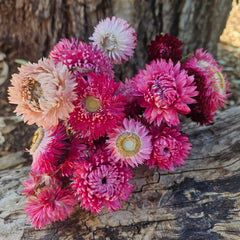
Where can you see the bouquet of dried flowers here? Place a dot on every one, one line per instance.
(94, 129)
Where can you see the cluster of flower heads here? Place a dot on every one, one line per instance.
(93, 129)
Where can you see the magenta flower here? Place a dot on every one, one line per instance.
(211, 85)
(100, 180)
(76, 151)
(81, 58)
(165, 46)
(38, 180)
(98, 109)
(43, 92)
(132, 107)
(166, 91)
(116, 38)
(130, 143)
(51, 203)
(49, 146)
(170, 148)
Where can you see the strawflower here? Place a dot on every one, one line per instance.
(211, 85)
(165, 46)
(49, 146)
(43, 92)
(50, 204)
(98, 109)
(116, 38)
(170, 148)
(165, 90)
(77, 150)
(130, 143)
(99, 180)
(81, 58)
(132, 107)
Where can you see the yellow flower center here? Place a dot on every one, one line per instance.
(91, 104)
(128, 144)
(36, 140)
(218, 80)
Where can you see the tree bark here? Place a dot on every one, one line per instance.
(30, 28)
(198, 201)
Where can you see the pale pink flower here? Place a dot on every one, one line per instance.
(116, 38)
(43, 92)
(170, 148)
(49, 146)
(211, 85)
(165, 90)
(98, 109)
(99, 180)
(130, 143)
(81, 58)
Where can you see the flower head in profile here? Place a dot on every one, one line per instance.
(99, 180)
(165, 46)
(116, 38)
(132, 107)
(49, 204)
(76, 152)
(165, 90)
(211, 85)
(36, 180)
(170, 148)
(98, 109)
(43, 92)
(130, 143)
(49, 146)
(81, 58)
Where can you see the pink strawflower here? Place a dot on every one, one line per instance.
(166, 90)
(50, 204)
(132, 107)
(81, 58)
(43, 92)
(170, 148)
(211, 85)
(48, 147)
(100, 180)
(130, 143)
(165, 46)
(38, 180)
(78, 150)
(98, 109)
(116, 38)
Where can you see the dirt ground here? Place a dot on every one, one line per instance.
(15, 135)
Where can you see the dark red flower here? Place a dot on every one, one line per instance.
(211, 85)
(165, 46)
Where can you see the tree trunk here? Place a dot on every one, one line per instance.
(30, 28)
(199, 201)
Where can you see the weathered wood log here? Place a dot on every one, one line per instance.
(200, 200)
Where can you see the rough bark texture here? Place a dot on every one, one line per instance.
(30, 28)
(198, 201)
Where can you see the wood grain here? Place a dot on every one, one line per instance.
(200, 200)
